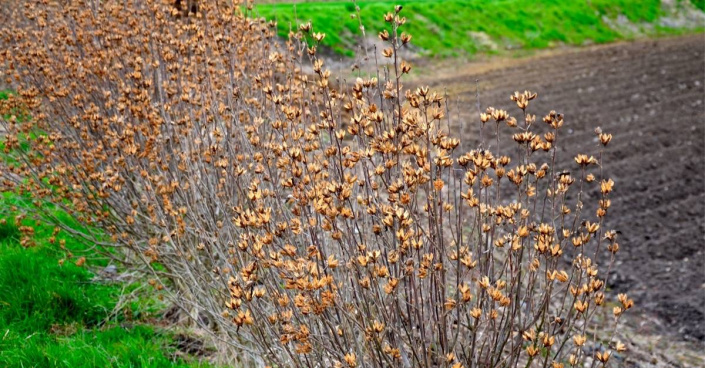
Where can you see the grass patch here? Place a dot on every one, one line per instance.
(451, 27)
(700, 4)
(55, 315)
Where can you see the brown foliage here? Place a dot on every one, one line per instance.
(315, 223)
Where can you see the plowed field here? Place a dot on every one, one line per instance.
(650, 95)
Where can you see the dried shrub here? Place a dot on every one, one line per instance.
(305, 221)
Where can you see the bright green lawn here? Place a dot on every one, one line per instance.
(443, 27)
(56, 316)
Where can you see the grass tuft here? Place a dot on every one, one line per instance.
(54, 315)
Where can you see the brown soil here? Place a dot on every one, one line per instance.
(650, 94)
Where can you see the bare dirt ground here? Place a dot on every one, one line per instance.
(650, 94)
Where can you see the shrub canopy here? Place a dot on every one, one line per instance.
(304, 220)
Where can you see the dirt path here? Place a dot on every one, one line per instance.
(650, 94)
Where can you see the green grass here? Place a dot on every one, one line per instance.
(446, 27)
(700, 4)
(54, 315)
